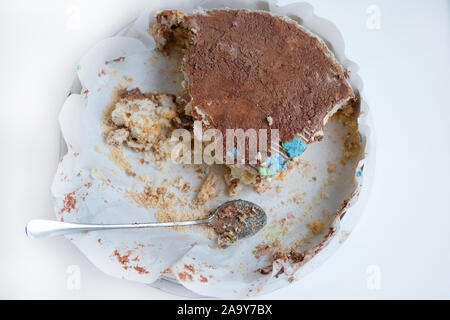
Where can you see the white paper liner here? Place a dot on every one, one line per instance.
(145, 255)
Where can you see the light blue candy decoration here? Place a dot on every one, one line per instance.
(274, 164)
(294, 147)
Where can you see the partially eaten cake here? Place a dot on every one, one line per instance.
(253, 70)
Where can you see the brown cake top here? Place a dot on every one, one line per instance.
(249, 69)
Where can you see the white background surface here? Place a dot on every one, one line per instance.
(401, 246)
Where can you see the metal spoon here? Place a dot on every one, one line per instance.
(251, 225)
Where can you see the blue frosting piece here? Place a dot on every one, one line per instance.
(274, 164)
(294, 147)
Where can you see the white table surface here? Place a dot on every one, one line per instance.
(399, 249)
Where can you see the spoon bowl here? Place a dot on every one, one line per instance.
(237, 219)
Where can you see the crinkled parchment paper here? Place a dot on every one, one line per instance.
(96, 183)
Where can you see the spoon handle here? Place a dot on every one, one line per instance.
(49, 228)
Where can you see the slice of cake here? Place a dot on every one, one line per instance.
(253, 70)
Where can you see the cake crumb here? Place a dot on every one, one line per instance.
(332, 167)
(234, 184)
(207, 190)
(269, 120)
(116, 137)
(316, 226)
(141, 121)
(153, 197)
(117, 156)
(180, 184)
(348, 116)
